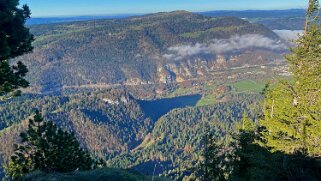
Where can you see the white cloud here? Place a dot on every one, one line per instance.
(219, 46)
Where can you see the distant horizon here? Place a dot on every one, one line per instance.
(138, 14)
(67, 8)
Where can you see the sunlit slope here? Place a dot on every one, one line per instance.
(144, 50)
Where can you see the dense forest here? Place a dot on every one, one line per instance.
(107, 126)
(129, 133)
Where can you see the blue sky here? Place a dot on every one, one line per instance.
(46, 8)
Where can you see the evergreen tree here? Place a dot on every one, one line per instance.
(292, 110)
(286, 144)
(47, 148)
(214, 166)
(15, 41)
(250, 161)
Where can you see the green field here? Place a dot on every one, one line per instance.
(248, 86)
(206, 100)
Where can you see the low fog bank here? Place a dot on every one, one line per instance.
(221, 46)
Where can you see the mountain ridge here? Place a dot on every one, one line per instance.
(143, 50)
(237, 13)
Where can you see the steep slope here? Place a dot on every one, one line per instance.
(150, 49)
(174, 145)
(127, 132)
(106, 122)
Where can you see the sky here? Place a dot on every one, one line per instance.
(51, 8)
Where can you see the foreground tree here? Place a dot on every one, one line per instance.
(214, 166)
(252, 161)
(47, 148)
(286, 145)
(15, 40)
(292, 110)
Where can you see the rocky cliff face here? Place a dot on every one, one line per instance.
(203, 67)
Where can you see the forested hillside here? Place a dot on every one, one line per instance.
(150, 49)
(174, 144)
(104, 122)
(203, 76)
(129, 133)
(175, 95)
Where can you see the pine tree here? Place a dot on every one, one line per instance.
(249, 160)
(214, 165)
(292, 110)
(47, 148)
(15, 41)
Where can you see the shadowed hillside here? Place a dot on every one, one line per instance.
(94, 175)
